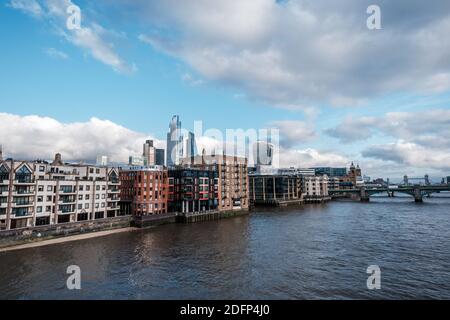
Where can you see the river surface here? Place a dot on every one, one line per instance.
(313, 252)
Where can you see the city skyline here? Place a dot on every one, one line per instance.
(109, 87)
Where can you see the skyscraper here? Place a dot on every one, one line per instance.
(179, 143)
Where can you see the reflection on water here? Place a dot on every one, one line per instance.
(319, 251)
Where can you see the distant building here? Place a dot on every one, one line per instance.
(297, 171)
(152, 156)
(160, 158)
(331, 172)
(136, 161)
(1, 152)
(263, 153)
(448, 180)
(102, 161)
(179, 146)
(315, 187)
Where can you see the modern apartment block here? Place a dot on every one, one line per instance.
(232, 179)
(40, 193)
(193, 190)
(144, 190)
(275, 189)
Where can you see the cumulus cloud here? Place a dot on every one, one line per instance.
(35, 137)
(307, 158)
(428, 127)
(294, 132)
(411, 155)
(421, 138)
(303, 52)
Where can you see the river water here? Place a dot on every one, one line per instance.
(313, 252)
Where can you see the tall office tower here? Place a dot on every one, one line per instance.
(179, 146)
(174, 141)
(149, 153)
(263, 153)
(160, 157)
(190, 149)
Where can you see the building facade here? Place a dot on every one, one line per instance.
(144, 190)
(193, 190)
(315, 187)
(275, 188)
(38, 193)
(232, 179)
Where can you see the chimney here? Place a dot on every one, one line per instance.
(58, 160)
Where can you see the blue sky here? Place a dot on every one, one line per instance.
(331, 89)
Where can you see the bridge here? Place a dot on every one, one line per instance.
(417, 191)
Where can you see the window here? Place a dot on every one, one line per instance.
(49, 198)
(97, 188)
(97, 196)
(49, 188)
(80, 206)
(41, 168)
(91, 170)
(103, 205)
(4, 173)
(87, 197)
(23, 175)
(40, 199)
(40, 188)
(80, 188)
(88, 188)
(103, 196)
(48, 209)
(80, 197)
(86, 206)
(38, 209)
(96, 206)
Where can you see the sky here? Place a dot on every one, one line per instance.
(337, 90)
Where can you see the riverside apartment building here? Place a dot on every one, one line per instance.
(232, 192)
(38, 193)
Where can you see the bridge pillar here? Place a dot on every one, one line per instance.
(364, 196)
(418, 197)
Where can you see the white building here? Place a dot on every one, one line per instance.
(38, 193)
(315, 187)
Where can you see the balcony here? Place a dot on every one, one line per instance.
(24, 181)
(22, 204)
(4, 182)
(3, 204)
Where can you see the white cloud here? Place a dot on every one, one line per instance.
(32, 137)
(54, 53)
(307, 158)
(293, 132)
(411, 155)
(30, 7)
(306, 52)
